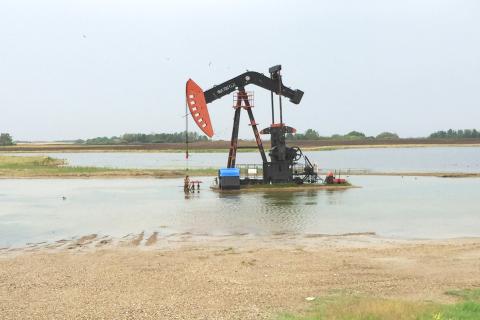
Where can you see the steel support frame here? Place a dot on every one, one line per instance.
(232, 154)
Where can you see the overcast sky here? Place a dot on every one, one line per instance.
(80, 69)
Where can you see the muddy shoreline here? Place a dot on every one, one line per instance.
(223, 146)
(147, 276)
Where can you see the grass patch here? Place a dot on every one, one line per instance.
(465, 294)
(40, 166)
(12, 162)
(363, 308)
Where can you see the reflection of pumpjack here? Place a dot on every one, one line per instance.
(280, 168)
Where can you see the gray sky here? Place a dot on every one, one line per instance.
(79, 69)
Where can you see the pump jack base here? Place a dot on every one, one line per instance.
(278, 187)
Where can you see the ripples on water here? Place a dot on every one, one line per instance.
(424, 207)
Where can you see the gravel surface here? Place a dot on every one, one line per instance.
(147, 277)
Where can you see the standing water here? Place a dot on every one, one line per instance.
(424, 207)
(430, 159)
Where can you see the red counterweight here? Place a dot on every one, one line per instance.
(198, 107)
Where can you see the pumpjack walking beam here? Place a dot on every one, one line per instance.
(250, 77)
(197, 99)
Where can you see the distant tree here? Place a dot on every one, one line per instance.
(354, 135)
(311, 134)
(455, 134)
(387, 135)
(134, 138)
(439, 134)
(6, 139)
(99, 140)
(337, 136)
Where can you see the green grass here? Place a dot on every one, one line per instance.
(462, 311)
(12, 162)
(40, 166)
(364, 308)
(465, 294)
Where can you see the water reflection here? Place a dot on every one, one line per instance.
(334, 197)
(280, 198)
(311, 197)
(33, 210)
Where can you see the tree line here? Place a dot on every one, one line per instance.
(311, 134)
(456, 134)
(142, 138)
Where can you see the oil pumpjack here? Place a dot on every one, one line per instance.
(284, 165)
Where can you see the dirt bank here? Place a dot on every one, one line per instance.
(240, 277)
(221, 145)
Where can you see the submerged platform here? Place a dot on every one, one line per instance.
(286, 187)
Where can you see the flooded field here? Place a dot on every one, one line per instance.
(431, 159)
(395, 207)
